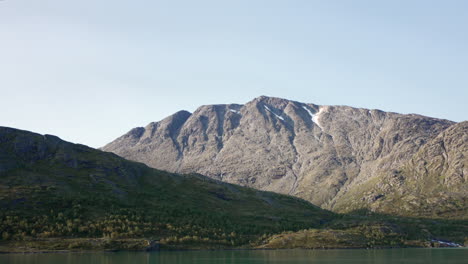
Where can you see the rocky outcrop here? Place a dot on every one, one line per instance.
(319, 153)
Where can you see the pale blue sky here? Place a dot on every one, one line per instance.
(89, 71)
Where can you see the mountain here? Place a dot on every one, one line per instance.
(338, 157)
(50, 189)
(56, 195)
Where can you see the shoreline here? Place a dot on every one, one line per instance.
(221, 249)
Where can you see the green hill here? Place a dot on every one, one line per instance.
(50, 188)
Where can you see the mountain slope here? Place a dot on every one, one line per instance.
(319, 153)
(432, 183)
(52, 188)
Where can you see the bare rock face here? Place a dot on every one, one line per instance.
(320, 153)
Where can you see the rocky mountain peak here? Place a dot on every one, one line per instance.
(319, 153)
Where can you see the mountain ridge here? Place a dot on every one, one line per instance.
(318, 153)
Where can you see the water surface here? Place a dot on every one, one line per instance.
(426, 256)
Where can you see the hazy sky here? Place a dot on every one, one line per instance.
(89, 71)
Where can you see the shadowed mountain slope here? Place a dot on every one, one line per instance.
(52, 188)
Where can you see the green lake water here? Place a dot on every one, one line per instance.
(426, 256)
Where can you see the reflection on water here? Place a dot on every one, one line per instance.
(432, 256)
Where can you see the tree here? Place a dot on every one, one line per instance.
(5, 235)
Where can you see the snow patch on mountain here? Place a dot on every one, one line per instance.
(278, 116)
(314, 117)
